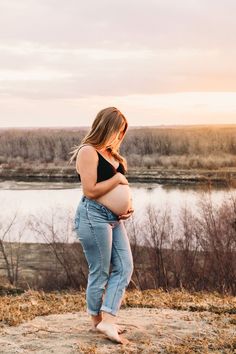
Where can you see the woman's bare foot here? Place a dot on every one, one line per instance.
(109, 328)
(97, 319)
(119, 330)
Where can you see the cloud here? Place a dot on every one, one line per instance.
(120, 24)
(40, 71)
(72, 49)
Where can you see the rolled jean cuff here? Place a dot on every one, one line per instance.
(107, 309)
(94, 313)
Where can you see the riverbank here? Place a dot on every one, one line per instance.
(223, 176)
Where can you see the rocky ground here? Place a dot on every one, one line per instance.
(154, 322)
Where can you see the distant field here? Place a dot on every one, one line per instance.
(174, 147)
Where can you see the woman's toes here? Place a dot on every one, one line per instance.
(120, 330)
(110, 330)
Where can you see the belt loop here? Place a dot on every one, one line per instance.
(104, 209)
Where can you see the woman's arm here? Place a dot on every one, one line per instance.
(86, 166)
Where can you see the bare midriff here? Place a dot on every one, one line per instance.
(118, 200)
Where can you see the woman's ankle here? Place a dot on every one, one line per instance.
(96, 319)
(108, 317)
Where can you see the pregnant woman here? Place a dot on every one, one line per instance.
(99, 225)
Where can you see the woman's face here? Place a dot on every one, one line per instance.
(116, 137)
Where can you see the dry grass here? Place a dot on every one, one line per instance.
(182, 300)
(16, 309)
(222, 342)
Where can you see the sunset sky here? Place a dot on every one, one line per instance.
(159, 62)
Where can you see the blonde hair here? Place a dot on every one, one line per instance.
(108, 121)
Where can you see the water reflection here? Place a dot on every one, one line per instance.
(43, 199)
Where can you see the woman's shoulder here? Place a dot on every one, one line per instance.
(87, 151)
(86, 148)
(86, 154)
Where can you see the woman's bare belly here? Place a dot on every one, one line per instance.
(118, 200)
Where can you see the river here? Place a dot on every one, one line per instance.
(58, 201)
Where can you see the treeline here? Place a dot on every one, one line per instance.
(142, 147)
(198, 254)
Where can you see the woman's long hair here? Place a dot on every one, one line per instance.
(108, 121)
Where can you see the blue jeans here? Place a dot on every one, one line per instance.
(105, 243)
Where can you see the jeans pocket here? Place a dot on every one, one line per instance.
(96, 213)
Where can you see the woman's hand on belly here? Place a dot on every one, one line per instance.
(127, 215)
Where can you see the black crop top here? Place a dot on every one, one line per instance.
(105, 169)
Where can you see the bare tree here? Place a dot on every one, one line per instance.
(218, 240)
(67, 257)
(157, 239)
(184, 250)
(11, 251)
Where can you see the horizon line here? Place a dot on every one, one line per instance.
(130, 126)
